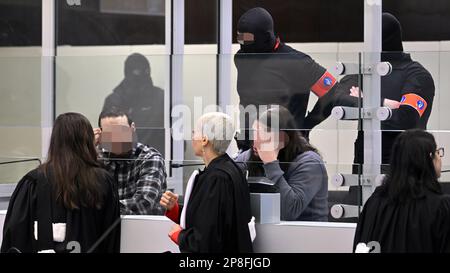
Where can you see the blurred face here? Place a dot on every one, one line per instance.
(265, 140)
(245, 38)
(260, 135)
(117, 135)
(437, 161)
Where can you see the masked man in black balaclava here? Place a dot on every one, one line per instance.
(272, 73)
(408, 91)
(141, 100)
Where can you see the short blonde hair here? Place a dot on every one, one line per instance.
(218, 128)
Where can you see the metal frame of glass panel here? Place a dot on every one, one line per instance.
(174, 82)
(369, 115)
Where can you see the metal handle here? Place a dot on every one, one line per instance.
(340, 211)
(342, 180)
(346, 68)
(352, 113)
(384, 113)
(384, 68)
(345, 113)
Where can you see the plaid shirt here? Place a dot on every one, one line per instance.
(141, 180)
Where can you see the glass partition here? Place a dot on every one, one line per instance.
(20, 114)
(104, 63)
(83, 84)
(414, 91)
(333, 139)
(116, 57)
(20, 92)
(12, 169)
(133, 84)
(437, 63)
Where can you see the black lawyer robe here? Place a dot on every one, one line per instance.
(416, 225)
(84, 225)
(218, 211)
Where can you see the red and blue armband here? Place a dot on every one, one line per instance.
(415, 101)
(324, 84)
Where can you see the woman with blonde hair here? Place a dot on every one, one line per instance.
(216, 211)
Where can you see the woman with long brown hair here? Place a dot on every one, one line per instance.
(67, 203)
(282, 155)
(409, 212)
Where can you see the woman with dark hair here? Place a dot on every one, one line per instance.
(408, 212)
(67, 203)
(283, 155)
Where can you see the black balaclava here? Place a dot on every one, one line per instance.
(137, 65)
(392, 33)
(259, 22)
(137, 77)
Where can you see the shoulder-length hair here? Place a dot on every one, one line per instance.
(412, 171)
(71, 165)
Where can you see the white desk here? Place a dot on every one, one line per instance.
(149, 234)
(146, 234)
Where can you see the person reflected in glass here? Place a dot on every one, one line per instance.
(141, 100)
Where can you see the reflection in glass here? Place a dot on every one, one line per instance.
(137, 96)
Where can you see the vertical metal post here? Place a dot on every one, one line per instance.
(175, 49)
(372, 87)
(167, 83)
(224, 51)
(47, 73)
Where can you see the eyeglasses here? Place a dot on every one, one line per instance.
(440, 152)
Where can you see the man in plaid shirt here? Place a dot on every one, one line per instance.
(138, 169)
